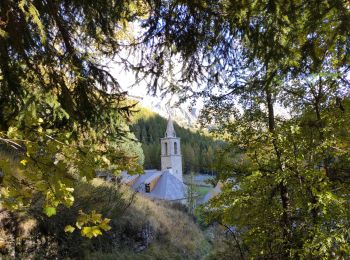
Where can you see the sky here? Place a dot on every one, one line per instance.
(127, 79)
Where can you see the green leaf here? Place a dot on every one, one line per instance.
(50, 211)
(41, 185)
(3, 33)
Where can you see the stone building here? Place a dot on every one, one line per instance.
(166, 184)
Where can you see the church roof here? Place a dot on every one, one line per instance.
(139, 185)
(167, 186)
(170, 131)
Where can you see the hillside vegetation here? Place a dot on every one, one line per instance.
(140, 228)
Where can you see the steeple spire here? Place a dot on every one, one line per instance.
(171, 158)
(170, 131)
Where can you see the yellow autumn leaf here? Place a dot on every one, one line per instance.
(104, 224)
(96, 231)
(87, 232)
(69, 229)
(24, 162)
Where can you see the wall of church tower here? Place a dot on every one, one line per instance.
(171, 156)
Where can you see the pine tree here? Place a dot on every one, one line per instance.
(62, 114)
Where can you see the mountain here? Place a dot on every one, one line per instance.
(183, 114)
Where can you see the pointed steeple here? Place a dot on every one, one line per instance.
(171, 158)
(170, 131)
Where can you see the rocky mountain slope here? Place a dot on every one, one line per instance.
(184, 114)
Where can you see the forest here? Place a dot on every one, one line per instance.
(198, 149)
(273, 78)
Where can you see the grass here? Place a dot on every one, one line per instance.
(170, 232)
(202, 191)
(176, 234)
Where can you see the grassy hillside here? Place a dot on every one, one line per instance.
(141, 229)
(172, 233)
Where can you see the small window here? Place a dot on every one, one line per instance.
(147, 188)
(166, 148)
(175, 147)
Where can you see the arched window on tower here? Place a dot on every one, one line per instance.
(175, 147)
(166, 148)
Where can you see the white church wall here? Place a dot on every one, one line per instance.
(171, 157)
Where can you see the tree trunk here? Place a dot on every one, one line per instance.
(284, 195)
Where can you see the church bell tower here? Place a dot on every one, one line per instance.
(171, 158)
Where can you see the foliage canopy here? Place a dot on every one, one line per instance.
(286, 192)
(62, 114)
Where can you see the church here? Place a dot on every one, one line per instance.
(166, 184)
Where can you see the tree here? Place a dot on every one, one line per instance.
(188, 158)
(191, 194)
(62, 114)
(249, 54)
(281, 194)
